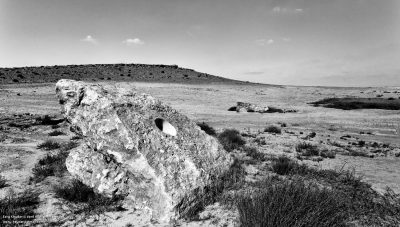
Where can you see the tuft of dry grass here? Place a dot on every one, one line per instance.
(195, 202)
(77, 192)
(3, 182)
(52, 164)
(307, 149)
(49, 145)
(17, 209)
(273, 129)
(56, 133)
(290, 203)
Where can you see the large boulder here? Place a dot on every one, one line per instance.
(138, 147)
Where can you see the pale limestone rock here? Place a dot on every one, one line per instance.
(137, 146)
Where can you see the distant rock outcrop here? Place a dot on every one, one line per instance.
(248, 107)
(138, 147)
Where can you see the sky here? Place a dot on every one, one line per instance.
(291, 42)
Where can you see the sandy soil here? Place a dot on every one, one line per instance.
(209, 103)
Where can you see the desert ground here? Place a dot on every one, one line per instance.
(364, 140)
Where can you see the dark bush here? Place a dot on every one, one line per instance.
(283, 165)
(69, 145)
(307, 149)
(207, 129)
(290, 204)
(254, 153)
(76, 138)
(49, 145)
(327, 154)
(17, 209)
(274, 110)
(47, 120)
(77, 192)
(55, 126)
(273, 129)
(50, 165)
(3, 182)
(56, 133)
(312, 134)
(351, 103)
(231, 139)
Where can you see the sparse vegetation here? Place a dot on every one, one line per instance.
(307, 149)
(76, 138)
(49, 145)
(231, 139)
(358, 200)
(47, 120)
(56, 133)
(292, 203)
(254, 153)
(50, 165)
(55, 126)
(77, 192)
(325, 153)
(17, 209)
(207, 129)
(260, 141)
(283, 165)
(358, 103)
(195, 202)
(3, 182)
(273, 129)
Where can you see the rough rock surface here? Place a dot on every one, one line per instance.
(137, 146)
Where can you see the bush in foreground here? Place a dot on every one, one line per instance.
(15, 209)
(358, 199)
(290, 204)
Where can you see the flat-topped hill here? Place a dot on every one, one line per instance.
(115, 72)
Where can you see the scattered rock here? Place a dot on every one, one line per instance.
(248, 107)
(137, 146)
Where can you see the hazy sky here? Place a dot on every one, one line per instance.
(302, 42)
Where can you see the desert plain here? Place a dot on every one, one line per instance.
(366, 141)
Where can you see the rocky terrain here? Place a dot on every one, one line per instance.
(76, 156)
